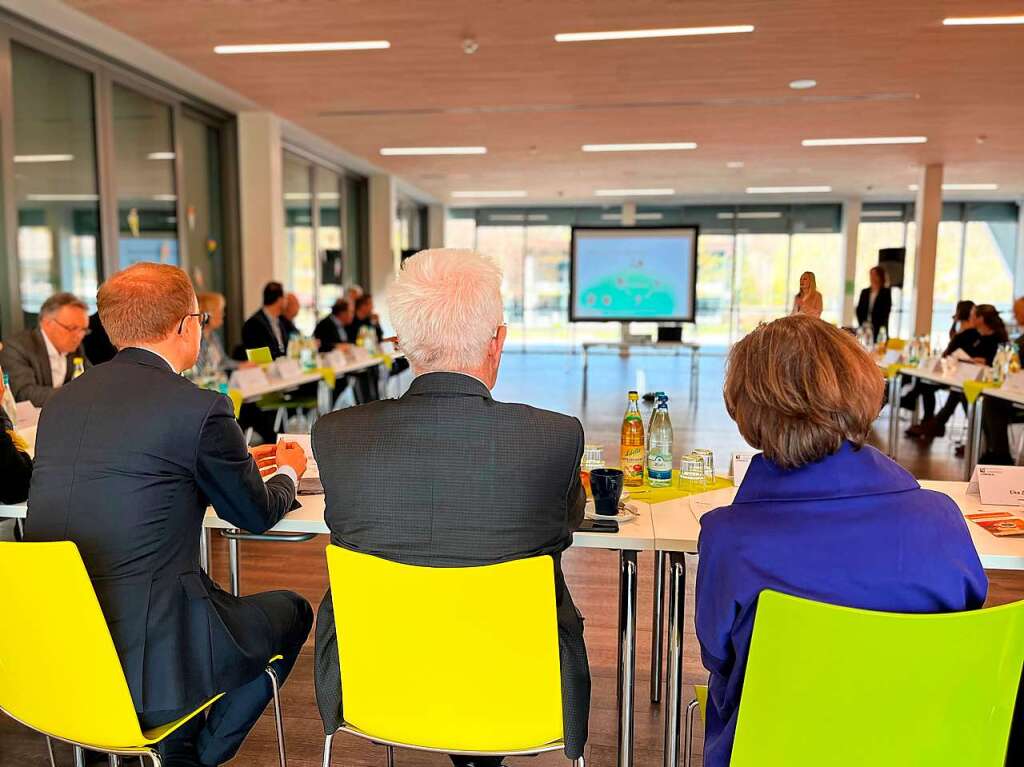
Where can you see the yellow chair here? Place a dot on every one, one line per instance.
(456, 660)
(260, 356)
(59, 671)
(698, 704)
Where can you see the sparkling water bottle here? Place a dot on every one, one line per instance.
(659, 451)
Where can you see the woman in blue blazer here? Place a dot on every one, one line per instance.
(819, 514)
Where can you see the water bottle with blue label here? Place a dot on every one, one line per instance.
(659, 450)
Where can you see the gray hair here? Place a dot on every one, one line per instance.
(58, 301)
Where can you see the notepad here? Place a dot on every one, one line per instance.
(309, 483)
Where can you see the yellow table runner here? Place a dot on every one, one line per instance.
(973, 389)
(649, 494)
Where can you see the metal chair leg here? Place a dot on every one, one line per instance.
(49, 750)
(79, 754)
(391, 756)
(278, 719)
(688, 737)
(581, 762)
(153, 755)
(328, 741)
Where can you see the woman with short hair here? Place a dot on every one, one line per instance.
(819, 514)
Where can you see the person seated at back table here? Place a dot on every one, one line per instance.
(288, 315)
(980, 343)
(331, 331)
(15, 462)
(264, 328)
(819, 514)
(213, 358)
(447, 476)
(998, 414)
(128, 457)
(41, 360)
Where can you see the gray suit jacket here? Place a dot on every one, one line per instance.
(26, 362)
(448, 477)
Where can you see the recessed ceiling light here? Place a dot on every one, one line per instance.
(734, 164)
(655, 147)
(633, 192)
(638, 34)
(421, 151)
(160, 156)
(355, 45)
(752, 214)
(637, 217)
(489, 193)
(28, 158)
(802, 85)
(880, 213)
(787, 189)
(871, 140)
(63, 197)
(975, 21)
(961, 187)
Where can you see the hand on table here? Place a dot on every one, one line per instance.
(266, 458)
(269, 458)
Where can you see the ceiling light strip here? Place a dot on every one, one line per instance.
(639, 34)
(788, 189)
(430, 151)
(670, 146)
(981, 21)
(633, 192)
(482, 194)
(31, 158)
(869, 141)
(354, 45)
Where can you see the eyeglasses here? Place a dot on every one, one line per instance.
(204, 320)
(74, 328)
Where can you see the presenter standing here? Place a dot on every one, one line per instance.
(808, 300)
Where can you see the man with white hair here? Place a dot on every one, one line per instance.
(447, 476)
(128, 457)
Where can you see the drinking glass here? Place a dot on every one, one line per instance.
(709, 465)
(691, 473)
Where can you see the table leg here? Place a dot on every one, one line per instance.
(204, 550)
(657, 625)
(674, 674)
(627, 654)
(233, 565)
(973, 447)
(586, 364)
(895, 385)
(694, 374)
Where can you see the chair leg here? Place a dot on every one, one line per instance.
(113, 760)
(79, 754)
(581, 762)
(155, 757)
(49, 750)
(688, 736)
(278, 719)
(391, 756)
(328, 741)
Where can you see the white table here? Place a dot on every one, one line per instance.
(677, 527)
(634, 535)
(674, 346)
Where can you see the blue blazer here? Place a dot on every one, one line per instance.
(852, 529)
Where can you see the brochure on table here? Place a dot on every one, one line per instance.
(998, 485)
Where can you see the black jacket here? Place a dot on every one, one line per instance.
(879, 312)
(516, 471)
(128, 457)
(257, 333)
(26, 362)
(326, 332)
(15, 466)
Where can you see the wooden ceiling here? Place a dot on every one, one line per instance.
(882, 69)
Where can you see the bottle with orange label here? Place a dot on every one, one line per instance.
(632, 448)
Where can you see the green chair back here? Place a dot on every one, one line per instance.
(260, 356)
(831, 686)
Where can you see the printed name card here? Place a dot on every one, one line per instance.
(740, 464)
(336, 359)
(287, 368)
(360, 354)
(998, 485)
(248, 379)
(966, 371)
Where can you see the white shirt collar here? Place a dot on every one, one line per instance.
(454, 372)
(158, 354)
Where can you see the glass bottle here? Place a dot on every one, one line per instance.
(631, 455)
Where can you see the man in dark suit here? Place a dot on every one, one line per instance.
(331, 330)
(98, 348)
(288, 315)
(15, 463)
(41, 360)
(449, 476)
(264, 328)
(996, 417)
(128, 457)
(875, 302)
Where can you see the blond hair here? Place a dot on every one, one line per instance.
(799, 387)
(144, 303)
(211, 302)
(446, 307)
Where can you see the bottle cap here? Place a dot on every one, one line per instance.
(633, 395)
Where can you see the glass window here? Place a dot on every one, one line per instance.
(506, 245)
(990, 255)
(714, 287)
(147, 202)
(298, 233)
(947, 273)
(204, 224)
(821, 253)
(55, 183)
(460, 233)
(329, 240)
(546, 284)
(762, 292)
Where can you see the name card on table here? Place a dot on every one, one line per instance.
(891, 357)
(359, 354)
(287, 368)
(998, 485)
(26, 415)
(335, 360)
(248, 379)
(1014, 382)
(967, 371)
(740, 464)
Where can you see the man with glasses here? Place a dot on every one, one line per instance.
(128, 458)
(41, 360)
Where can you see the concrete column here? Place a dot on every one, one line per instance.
(1018, 272)
(384, 255)
(436, 217)
(851, 225)
(261, 203)
(928, 214)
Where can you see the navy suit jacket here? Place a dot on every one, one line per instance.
(854, 529)
(128, 457)
(257, 332)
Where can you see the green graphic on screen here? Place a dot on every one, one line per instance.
(640, 277)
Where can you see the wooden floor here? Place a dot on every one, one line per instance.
(550, 381)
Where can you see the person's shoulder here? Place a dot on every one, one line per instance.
(551, 419)
(21, 341)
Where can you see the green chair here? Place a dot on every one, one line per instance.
(830, 686)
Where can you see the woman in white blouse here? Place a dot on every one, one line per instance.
(808, 300)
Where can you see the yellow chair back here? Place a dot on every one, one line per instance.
(896, 344)
(59, 672)
(448, 658)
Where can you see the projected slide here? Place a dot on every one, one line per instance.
(633, 274)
